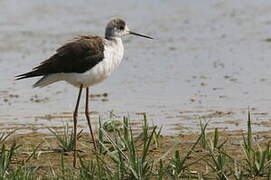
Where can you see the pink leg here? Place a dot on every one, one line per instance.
(88, 119)
(75, 113)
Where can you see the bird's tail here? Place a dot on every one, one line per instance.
(28, 75)
(46, 80)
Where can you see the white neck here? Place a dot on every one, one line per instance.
(113, 54)
(115, 42)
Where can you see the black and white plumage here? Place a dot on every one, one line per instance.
(73, 58)
(84, 62)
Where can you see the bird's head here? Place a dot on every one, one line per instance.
(117, 27)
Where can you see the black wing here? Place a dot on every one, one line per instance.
(74, 57)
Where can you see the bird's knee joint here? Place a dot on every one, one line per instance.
(75, 114)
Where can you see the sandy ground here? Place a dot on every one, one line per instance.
(50, 153)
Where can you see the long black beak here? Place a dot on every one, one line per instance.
(131, 32)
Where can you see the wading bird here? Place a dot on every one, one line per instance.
(84, 62)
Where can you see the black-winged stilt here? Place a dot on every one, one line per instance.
(84, 62)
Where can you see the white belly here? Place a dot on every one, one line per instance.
(93, 76)
(112, 59)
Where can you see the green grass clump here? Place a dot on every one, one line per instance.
(126, 153)
(125, 157)
(180, 167)
(65, 139)
(257, 158)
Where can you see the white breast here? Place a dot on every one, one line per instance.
(113, 53)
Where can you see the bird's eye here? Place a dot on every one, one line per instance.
(122, 27)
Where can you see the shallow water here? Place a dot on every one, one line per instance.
(209, 61)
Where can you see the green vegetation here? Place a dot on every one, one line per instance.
(124, 153)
